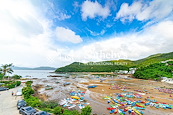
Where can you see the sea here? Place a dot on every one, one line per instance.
(35, 73)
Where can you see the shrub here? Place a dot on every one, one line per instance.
(68, 112)
(27, 92)
(86, 111)
(57, 110)
(11, 84)
(34, 101)
(16, 76)
(28, 83)
(49, 104)
(1, 76)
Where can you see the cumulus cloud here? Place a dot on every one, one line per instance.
(67, 35)
(151, 40)
(155, 10)
(127, 12)
(93, 9)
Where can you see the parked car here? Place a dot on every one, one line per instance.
(42, 113)
(21, 103)
(3, 88)
(27, 110)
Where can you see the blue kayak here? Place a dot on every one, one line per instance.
(92, 86)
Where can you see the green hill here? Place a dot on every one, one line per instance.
(111, 66)
(153, 59)
(92, 67)
(155, 71)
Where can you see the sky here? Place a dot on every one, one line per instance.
(58, 32)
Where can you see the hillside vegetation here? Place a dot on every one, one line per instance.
(113, 65)
(91, 67)
(155, 71)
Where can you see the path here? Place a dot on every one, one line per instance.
(8, 102)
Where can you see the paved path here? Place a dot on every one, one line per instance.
(8, 102)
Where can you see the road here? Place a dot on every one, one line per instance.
(8, 102)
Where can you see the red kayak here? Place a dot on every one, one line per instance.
(110, 108)
(138, 105)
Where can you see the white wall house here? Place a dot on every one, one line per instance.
(167, 80)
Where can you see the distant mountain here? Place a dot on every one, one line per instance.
(37, 68)
(111, 66)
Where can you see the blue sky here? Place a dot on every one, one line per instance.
(59, 32)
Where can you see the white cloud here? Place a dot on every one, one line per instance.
(25, 37)
(156, 10)
(67, 35)
(93, 9)
(127, 12)
(152, 40)
(96, 33)
(62, 16)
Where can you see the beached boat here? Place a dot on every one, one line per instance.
(75, 97)
(55, 76)
(92, 86)
(66, 83)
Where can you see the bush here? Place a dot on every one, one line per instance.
(86, 111)
(11, 84)
(28, 83)
(34, 101)
(68, 112)
(58, 110)
(27, 92)
(49, 104)
(1, 76)
(16, 76)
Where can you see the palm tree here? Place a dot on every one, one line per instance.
(6, 68)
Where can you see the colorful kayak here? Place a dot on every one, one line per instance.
(75, 97)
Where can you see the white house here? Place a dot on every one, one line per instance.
(167, 80)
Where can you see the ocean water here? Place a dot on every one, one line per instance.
(35, 73)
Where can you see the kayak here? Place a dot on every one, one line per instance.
(136, 111)
(110, 108)
(75, 97)
(92, 86)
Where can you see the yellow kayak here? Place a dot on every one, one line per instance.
(75, 97)
(137, 111)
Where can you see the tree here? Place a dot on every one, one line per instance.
(6, 68)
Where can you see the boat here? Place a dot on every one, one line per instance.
(136, 111)
(81, 106)
(48, 88)
(92, 86)
(75, 97)
(72, 106)
(66, 83)
(55, 76)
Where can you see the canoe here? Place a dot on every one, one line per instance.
(136, 111)
(81, 106)
(110, 108)
(72, 106)
(75, 97)
(92, 86)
